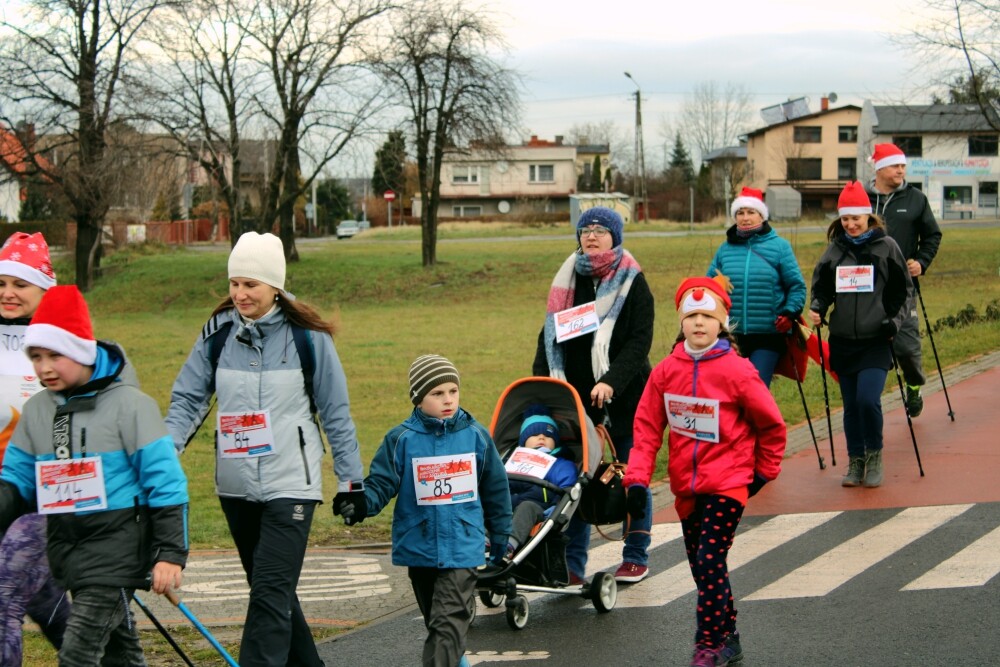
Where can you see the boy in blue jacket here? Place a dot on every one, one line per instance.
(92, 453)
(451, 490)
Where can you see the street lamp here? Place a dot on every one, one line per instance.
(639, 177)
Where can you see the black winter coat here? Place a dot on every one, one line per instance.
(629, 355)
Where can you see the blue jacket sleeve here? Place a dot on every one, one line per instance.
(715, 267)
(562, 473)
(334, 406)
(190, 396)
(791, 277)
(383, 480)
(494, 491)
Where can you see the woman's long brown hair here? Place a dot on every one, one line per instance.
(297, 313)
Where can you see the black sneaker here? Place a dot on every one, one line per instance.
(731, 651)
(914, 401)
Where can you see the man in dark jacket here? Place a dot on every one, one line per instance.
(910, 221)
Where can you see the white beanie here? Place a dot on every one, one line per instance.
(259, 257)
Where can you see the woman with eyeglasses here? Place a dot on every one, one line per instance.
(604, 353)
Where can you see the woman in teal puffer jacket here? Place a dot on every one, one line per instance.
(768, 290)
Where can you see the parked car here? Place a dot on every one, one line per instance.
(347, 228)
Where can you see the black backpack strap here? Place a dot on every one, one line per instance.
(307, 357)
(217, 340)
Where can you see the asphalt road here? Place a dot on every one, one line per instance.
(912, 586)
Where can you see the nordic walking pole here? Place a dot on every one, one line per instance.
(930, 335)
(826, 393)
(802, 394)
(174, 600)
(163, 631)
(902, 395)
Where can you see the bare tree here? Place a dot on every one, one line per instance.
(204, 98)
(318, 97)
(959, 37)
(715, 115)
(441, 68)
(62, 65)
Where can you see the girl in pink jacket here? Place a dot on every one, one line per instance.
(727, 438)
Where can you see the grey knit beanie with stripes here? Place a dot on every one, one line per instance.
(427, 372)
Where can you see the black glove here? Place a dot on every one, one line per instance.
(636, 501)
(351, 505)
(888, 329)
(756, 485)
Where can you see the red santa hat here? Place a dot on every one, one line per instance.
(705, 295)
(62, 324)
(26, 256)
(853, 200)
(749, 198)
(887, 155)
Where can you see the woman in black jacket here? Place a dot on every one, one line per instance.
(863, 276)
(597, 335)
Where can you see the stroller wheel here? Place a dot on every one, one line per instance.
(604, 592)
(517, 612)
(491, 599)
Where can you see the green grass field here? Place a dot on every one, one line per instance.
(481, 306)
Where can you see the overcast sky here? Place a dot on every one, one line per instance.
(573, 57)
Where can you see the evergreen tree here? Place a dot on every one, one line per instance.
(389, 159)
(40, 205)
(680, 170)
(161, 211)
(595, 175)
(334, 202)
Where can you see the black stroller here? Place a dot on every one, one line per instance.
(539, 565)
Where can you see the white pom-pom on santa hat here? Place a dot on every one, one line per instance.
(886, 155)
(62, 324)
(749, 198)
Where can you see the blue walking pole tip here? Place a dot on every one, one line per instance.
(174, 600)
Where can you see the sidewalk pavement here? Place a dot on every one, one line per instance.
(347, 588)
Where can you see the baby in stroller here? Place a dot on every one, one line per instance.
(541, 456)
(550, 450)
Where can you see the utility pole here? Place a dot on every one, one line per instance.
(639, 178)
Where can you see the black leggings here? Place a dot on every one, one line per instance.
(708, 534)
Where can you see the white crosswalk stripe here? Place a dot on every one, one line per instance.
(676, 581)
(974, 565)
(849, 559)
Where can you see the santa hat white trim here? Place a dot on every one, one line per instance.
(9, 267)
(854, 210)
(57, 339)
(748, 202)
(890, 160)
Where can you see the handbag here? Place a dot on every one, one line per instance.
(602, 501)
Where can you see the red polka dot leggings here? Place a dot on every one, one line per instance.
(708, 534)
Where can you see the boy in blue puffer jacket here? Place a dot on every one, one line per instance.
(451, 490)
